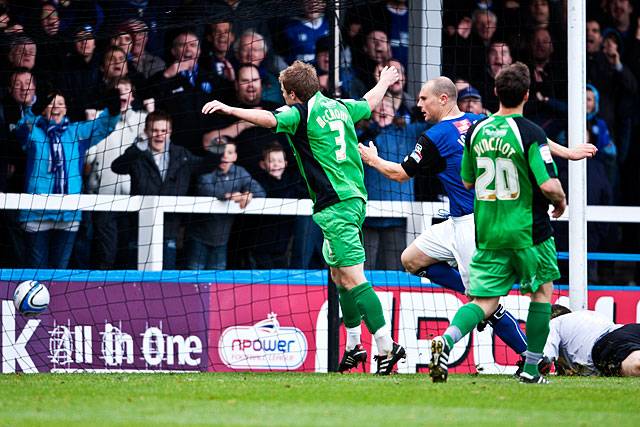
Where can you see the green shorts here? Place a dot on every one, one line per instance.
(341, 226)
(493, 272)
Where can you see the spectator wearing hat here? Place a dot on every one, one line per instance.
(153, 12)
(131, 36)
(121, 38)
(470, 101)
(82, 71)
(141, 60)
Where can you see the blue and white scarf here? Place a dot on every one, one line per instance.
(57, 161)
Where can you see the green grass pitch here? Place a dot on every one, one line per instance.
(291, 399)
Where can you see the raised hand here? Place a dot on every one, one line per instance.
(216, 107)
(389, 75)
(368, 154)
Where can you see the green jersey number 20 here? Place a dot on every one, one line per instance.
(502, 175)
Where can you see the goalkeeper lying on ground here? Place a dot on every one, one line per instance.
(587, 343)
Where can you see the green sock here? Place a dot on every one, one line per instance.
(537, 333)
(351, 316)
(369, 306)
(466, 318)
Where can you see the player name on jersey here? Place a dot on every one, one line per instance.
(495, 143)
(332, 114)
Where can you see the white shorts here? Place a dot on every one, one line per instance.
(453, 241)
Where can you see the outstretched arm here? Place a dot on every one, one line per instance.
(391, 170)
(582, 151)
(261, 118)
(388, 76)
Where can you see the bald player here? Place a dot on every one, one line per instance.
(452, 242)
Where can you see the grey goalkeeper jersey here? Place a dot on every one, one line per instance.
(573, 335)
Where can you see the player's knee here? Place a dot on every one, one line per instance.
(408, 262)
(335, 276)
(543, 294)
(488, 305)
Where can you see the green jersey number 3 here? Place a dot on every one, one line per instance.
(502, 174)
(338, 126)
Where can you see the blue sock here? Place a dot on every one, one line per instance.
(508, 329)
(444, 275)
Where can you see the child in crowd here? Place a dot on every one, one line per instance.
(209, 237)
(273, 233)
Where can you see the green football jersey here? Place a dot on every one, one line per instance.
(323, 137)
(507, 157)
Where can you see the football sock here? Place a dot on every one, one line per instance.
(369, 306)
(444, 275)
(537, 332)
(383, 340)
(531, 362)
(351, 316)
(466, 318)
(353, 337)
(508, 329)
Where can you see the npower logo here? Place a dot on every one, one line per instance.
(265, 345)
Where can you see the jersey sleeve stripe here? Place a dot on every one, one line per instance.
(516, 131)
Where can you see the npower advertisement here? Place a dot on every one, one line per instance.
(238, 320)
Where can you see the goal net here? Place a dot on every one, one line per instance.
(158, 259)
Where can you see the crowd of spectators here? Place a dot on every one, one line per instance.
(104, 97)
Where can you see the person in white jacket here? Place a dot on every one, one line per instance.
(112, 230)
(585, 342)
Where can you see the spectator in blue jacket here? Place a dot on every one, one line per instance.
(385, 238)
(55, 150)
